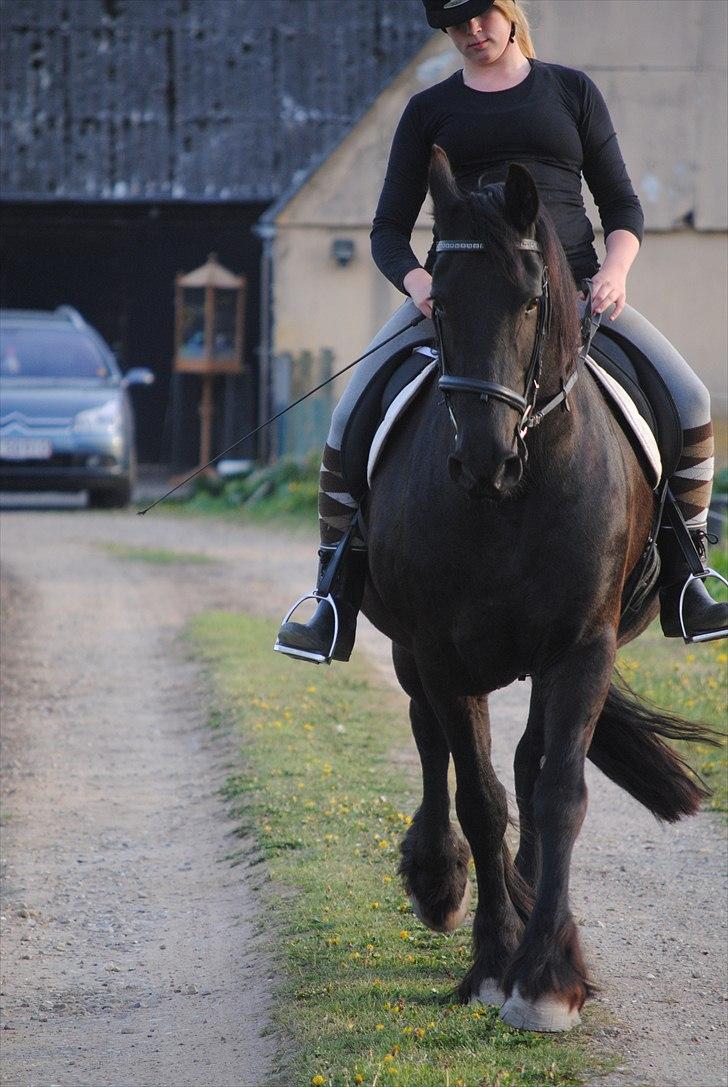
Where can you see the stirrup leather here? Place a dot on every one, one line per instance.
(304, 654)
(711, 635)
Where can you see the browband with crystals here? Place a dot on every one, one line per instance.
(460, 246)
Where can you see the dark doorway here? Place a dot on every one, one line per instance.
(116, 264)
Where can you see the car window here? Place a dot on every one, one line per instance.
(50, 353)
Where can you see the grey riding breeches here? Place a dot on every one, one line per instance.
(691, 397)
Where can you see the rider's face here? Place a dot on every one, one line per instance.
(483, 38)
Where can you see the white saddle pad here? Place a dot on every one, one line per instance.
(616, 394)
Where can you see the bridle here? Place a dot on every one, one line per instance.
(527, 403)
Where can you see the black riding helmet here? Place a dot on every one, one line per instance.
(444, 13)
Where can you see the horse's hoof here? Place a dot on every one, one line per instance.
(450, 921)
(546, 1013)
(489, 992)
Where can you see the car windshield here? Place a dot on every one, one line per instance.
(50, 353)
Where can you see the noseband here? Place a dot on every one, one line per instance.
(525, 403)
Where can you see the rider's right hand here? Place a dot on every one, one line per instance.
(418, 284)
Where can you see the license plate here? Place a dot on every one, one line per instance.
(25, 449)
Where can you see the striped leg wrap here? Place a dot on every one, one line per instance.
(692, 482)
(336, 506)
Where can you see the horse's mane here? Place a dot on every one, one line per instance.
(488, 222)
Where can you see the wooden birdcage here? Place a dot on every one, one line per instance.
(209, 330)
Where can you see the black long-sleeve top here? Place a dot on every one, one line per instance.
(555, 122)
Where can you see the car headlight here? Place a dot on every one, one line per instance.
(102, 420)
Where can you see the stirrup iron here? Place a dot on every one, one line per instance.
(711, 635)
(303, 654)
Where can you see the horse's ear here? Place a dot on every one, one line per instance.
(521, 198)
(443, 187)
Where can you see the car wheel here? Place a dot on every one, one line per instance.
(114, 498)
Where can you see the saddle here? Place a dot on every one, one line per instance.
(647, 413)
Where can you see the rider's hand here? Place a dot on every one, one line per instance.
(418, 284)
(609, 286)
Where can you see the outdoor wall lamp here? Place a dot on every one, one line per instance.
(342, 250)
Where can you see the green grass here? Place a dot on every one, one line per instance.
(690, 681)
(159, 555)
(364, 995)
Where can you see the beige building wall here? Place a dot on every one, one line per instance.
(662, 68)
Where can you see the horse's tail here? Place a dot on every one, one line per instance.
(628, 747)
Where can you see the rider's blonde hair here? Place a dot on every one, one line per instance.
(514, 13)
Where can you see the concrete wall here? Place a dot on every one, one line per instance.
(662, 69)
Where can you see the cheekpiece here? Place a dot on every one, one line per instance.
(443, 13)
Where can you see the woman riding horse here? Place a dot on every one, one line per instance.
(504, 107)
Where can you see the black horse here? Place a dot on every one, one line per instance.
(488, 563)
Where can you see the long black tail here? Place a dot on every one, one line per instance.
(628, 748)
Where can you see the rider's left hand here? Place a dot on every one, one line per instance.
(609, 287)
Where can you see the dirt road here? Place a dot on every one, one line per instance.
(129, 947)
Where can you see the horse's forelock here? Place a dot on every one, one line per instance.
(487, 222)
(490, 225)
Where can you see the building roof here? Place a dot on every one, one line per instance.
(200, 100)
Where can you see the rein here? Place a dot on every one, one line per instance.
(525, 403)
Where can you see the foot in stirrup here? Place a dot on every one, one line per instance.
(687, 610)
(331, 631)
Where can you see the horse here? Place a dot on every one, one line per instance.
(499, 550)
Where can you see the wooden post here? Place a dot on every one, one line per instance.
(206, 411)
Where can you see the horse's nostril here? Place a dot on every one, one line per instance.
(508, 474)
(455, 468)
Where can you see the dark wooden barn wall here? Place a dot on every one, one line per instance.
(187, 99)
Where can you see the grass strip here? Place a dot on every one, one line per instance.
(691, 681)
(159, 556)
(365, 989)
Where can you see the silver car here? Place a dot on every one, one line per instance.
(66, 423)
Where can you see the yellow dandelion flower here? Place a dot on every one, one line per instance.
(388, 1058)
(386, 879)
(379, 1026)
(420, 1032)
(407, 1030)
(404, 934)
(383, 843)
(358, 1077)
(373, 905)
(317, 1081)
(311, 689)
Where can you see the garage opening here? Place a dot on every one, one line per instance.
(116, 264)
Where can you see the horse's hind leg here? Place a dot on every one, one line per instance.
(434, 864)
(482, 809)
(547, 979)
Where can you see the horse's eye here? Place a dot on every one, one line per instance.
(532, 305)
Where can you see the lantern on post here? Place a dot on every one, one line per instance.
(209, 317)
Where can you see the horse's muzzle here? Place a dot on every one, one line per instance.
(491, 484)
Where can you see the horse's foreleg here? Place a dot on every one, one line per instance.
(527, 764)
(482, 809)
(434, 857)
(546, 978)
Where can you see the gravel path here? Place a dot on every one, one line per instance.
(129, 949)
